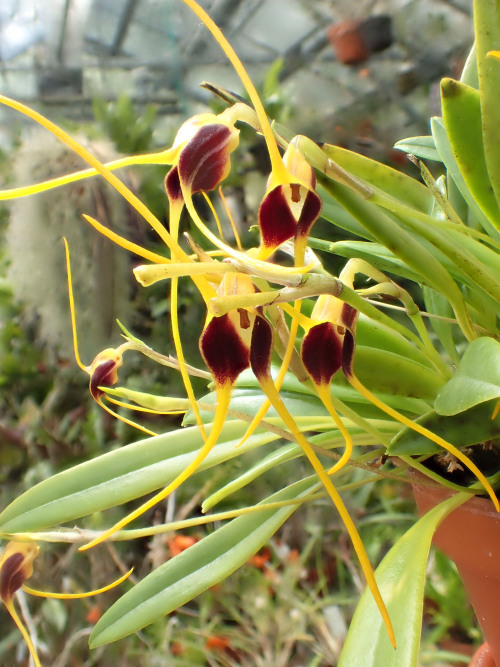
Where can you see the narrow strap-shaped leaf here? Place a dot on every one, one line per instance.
(445, 151)
(119, 476)
(194, 570)
(422, 147)
(395, 183)
(401, 578)
(461, 106)
(487, 29)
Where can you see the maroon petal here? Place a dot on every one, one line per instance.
(321, 352)
(105, 374)
(173, 185)
(309, 214)
(261, 347)
(348, 318)
(276, 221)
(204, 161)
(12, 576)
(225, 353)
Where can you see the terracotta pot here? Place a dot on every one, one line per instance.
(470, 536)
(483, 657)
(348, 42)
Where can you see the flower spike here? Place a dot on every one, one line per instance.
(344, 317)
(225, 347)
(260, 358)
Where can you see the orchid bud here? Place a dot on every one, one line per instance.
(103, 370)
(16, 567)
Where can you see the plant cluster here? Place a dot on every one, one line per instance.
(376, 362)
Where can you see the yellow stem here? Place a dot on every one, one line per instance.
(279, 380)
(231, 220)
(72, 309)
(279, 170)
(176, 208)
(31, 647)
(324, 394)
(77, 596)
(52, 183)
(125, 243)
(428, 434)
(129, 422)
(269, 388)
(223, 399)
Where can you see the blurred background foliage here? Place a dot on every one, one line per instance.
(123, 75)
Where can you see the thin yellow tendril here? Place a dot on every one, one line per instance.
(31, 647)
(223, 400)
(52, 183)
(77, 596)
(214, 213)
(323, 392)
(231, 219)
(428, 434)
(273, 395)
(125, 243)
(279, 380)
(279, 171)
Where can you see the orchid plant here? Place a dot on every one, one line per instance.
(377, 361)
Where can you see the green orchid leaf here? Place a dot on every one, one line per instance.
(374, 253)
(194, 570)
(445, 151)
(405, 245)
(422, 147)
(333, 212)
(470, 74)
(120, 476)
(401, 579)
(436, 304)
(477, 379)
(378, 175)
(466, 428)
(461, 106)
(487, 30)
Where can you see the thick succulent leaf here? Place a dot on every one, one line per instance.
(477, 378)
(393, 182)
(487, 29)
(333, 212)
(461, 106)
(193, 571)
(120, 476)
(422, 147)
(445, 151)
(436, 304)
(469, 427)
(376, 254)
(401, 579)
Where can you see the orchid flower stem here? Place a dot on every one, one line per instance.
(15, 617)
(223, 400)
(273, 395)
(428, 434)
